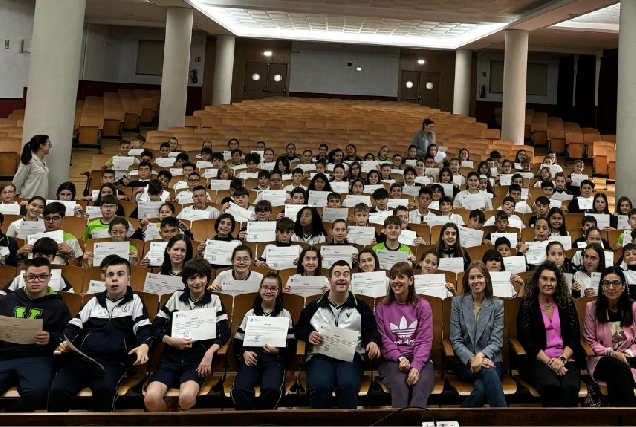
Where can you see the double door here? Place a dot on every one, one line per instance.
(420, 87)
(263, 80)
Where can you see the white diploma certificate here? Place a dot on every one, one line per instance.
(122, 163)
(370, 188)
(68, 204)
(361, 235)
(195, 214)
(58, 236)
(232, 286)
(261, 330)
(220, 184)
(318, 198)
(577, 178)
(622, 223)
(566, 241)
(352, 200)
(281, 257)
(609, 258)
(501, 286)
(218, 252)
(332, 214)
(152, 232)
(585, 203)
(165, 162)
(240, 214)
(199, 324)
(433, 285)
(470, 238)
(595, 279)
(96, 286)
(306, 285)
(18, 330)
(394, 203)
(10, 208)
(148, 209)
(340, 186)
(210, 173)
(372, 284)
(161, 284)
(30, 227)
(515, 264)
(412, 191)
(512, 237)
(535, 254)
(407, 237)
(275, 197)
(474, 201)
(203, 164)
(93, 212)
(261, 231)
(379, 217)
(338, 343)
(602, 220)
(332, 253)
(456, 264)
(389, 258)
(156, 253)
(291, 211)
(102, 249)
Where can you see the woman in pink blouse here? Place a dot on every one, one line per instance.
(405, 322)
(611, 332)
(548, 329)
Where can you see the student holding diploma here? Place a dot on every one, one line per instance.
(242, 257)
(185, 363)
(113, 331)
(405, 322)
(309, 264)
(319, 324)
(178, 253)
(263, 365)
(476, 335)
(30, 367)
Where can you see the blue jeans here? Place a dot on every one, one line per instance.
(486, 385)
(32, 376)
(324, 374)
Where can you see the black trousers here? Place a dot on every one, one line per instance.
(79, 372)
(619, 379)
(269, 375)
(554, 390)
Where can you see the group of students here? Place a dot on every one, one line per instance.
(401, 329)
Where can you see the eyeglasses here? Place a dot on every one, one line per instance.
(267, 289)
(193, 180)
(52, 218)
(613, 284)
(36, 277)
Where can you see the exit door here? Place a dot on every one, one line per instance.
(264, 80)
(420, 87)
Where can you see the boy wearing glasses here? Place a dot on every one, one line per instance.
(98, 228)
(69, 251)
(113, 329)
(30, 367)
(45, 248)
(186, 363)
(337, 308)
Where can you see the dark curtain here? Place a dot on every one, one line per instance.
(565, 87)
(585, 110)
(608, 92)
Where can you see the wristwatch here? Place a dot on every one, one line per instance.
(563, 359)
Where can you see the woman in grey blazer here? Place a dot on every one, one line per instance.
(476, 334)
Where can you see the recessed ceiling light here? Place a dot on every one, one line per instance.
(267, 53)
(421, 61)
(359, 68)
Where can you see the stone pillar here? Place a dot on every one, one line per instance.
(625, 123)
(461, 92)
(223, 69)
(176, 67)
(514, 86)
(56, 47)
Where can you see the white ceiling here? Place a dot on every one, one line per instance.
(448, 24)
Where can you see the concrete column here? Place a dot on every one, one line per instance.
(176, 67)
(625, 123)
(514, 86)
(56, 46)
(223, 69)
(461, 92)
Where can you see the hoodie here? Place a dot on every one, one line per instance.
(50, 308)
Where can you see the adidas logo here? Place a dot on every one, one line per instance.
(403, 330)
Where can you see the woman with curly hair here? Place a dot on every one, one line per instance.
(548, 329)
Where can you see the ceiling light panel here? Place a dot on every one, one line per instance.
(605, 19)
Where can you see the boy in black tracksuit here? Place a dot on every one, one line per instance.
(113, 329)
(30, 367)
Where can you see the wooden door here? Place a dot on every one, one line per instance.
(255, 85)
(277, 80)
(410, 86)
(429, 89)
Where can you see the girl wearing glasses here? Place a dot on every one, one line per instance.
(118, 230)
(610, 330)
(242, 259)
(262, 365)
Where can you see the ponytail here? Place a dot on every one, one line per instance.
(31, 147)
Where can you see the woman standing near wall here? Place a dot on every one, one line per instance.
(32, 177)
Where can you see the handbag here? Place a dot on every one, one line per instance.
(594, 397)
